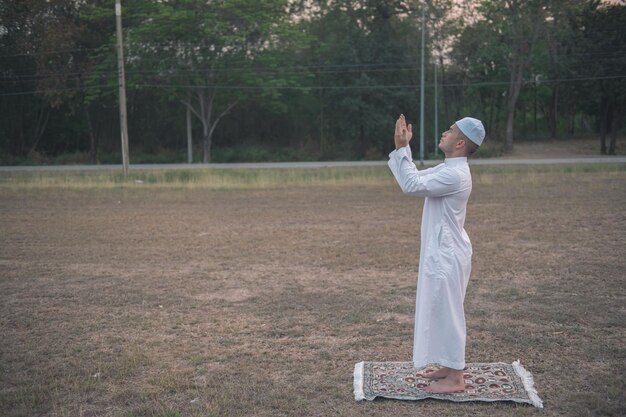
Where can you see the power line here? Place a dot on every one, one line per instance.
(57, 52)
(54, 90)
(366, 87)
(541, 36)
(112, 47)
(318, 87)
(612, 55)
(349, 68)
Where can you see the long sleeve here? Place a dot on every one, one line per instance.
(432, 182)
(444, 257)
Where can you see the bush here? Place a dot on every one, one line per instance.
(261, 154)
(489, 149)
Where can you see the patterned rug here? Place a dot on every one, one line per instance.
(483, 382)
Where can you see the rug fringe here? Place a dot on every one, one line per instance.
(527, 380)
(358, 382)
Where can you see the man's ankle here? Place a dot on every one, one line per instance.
(455, 374)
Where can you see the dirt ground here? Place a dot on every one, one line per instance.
(161, 302)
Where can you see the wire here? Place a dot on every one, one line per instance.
(365, 87)
(55, 90)
(59, 52)
(322, 87)
(349, 68)
(110, 46)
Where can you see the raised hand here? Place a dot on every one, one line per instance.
(403, 133)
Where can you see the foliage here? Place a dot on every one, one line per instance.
(603, 91)
(301, 79)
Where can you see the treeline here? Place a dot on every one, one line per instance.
(302, 79)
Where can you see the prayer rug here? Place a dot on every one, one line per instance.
(483, 382)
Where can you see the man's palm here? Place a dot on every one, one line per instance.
(403, 133)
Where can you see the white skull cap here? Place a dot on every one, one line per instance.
(472, 128)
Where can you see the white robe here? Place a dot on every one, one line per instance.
(445, 257)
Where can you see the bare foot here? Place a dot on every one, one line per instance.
(438, 374)
(452, 383)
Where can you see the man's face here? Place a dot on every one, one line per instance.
(449, 139)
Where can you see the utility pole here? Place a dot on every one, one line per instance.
(436, 114)
(189, 133)
(422, 93)
(122, 86)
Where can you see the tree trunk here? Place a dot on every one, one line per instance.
(204, 111)
(616, 120)
(535, 109)
(362, 151)
(446, 110)
(494, 97)
(459, 104)
(498, 116)
(604, 115)
(553, 113)
(508, 142)
(322, 148)
(189, 137)
(93, 141)
(517, 74)
(217, 120)
(21, 144)
(206, 143)
(40, 127)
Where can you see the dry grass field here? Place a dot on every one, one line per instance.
(143, 300)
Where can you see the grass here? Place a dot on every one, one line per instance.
(173, 298)
(201, 178)
(223, 179)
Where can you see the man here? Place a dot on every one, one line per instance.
(446, 251)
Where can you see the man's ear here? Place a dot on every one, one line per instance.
(460, 144)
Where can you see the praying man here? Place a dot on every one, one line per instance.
(446, 251)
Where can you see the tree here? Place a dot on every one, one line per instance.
(517, 23)
(600, 63)
(445, 23)
(364, 55)
(560, 40)
(42, 37)
(204, 52)
(479, 62)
